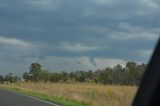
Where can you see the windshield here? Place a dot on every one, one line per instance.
(92, 52)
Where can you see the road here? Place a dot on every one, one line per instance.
(8, 98)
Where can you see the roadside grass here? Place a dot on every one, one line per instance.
(77, 94)
(51, 99)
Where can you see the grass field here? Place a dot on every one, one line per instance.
(79, 94)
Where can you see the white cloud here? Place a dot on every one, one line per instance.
(150, 3)
(86, 63)
(96, 29)
(75, 63)
(77, 47)
(53, 63)
(12, 48)
(14, 42)
(124, 25)
(64, 63)
(149, 36)
(108, 62)
(135, 35)
(13, 67)
(129, 32)
(58, 63)
(145, 53)
(103, 2)
(45, 4)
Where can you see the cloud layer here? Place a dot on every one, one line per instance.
(76, 35)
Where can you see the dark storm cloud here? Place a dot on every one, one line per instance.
(120, 29)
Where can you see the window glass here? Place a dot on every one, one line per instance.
(95, 50)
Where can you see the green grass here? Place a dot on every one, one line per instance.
(45, 97)
(77, 94)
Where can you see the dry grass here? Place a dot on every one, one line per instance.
(91, 94)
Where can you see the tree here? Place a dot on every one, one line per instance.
(133, 70)
(35, 69)
(77, 74)
(131, 66)
(44, 76)
(129, 75)
(27, 76)
(118, 72)
(55, 77)
(15, 79)
(72, 76)
(8, 77)
(1, 79)
(90, 75)
(82, 76)
(64, 76)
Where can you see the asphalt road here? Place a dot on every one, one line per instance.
(8, 98)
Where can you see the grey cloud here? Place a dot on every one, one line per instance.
(102, 28)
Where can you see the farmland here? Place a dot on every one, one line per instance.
(81, 93)
(115, 86)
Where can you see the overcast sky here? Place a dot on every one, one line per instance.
(76, 34)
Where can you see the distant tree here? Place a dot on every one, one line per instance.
(82, 76)
(131, 74)
(64, 76)
(118, 67)
(26, 76)
(8, 77)
(77, 74)
(44, 76)
(108, 75)
(140, 71)
(118, 72)
(35, 69)
(55, 77)
(15, 79)
(1, 79)
(72, 76)
(131, 66)
(90, 75)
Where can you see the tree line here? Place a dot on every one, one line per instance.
(9, 78)
(131, 74)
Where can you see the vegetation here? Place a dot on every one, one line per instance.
(9, 78)
(80, 88)
(129, 75)
(78, 94)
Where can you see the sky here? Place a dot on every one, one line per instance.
(70, 35)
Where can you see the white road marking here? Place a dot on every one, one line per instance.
(38, 99)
